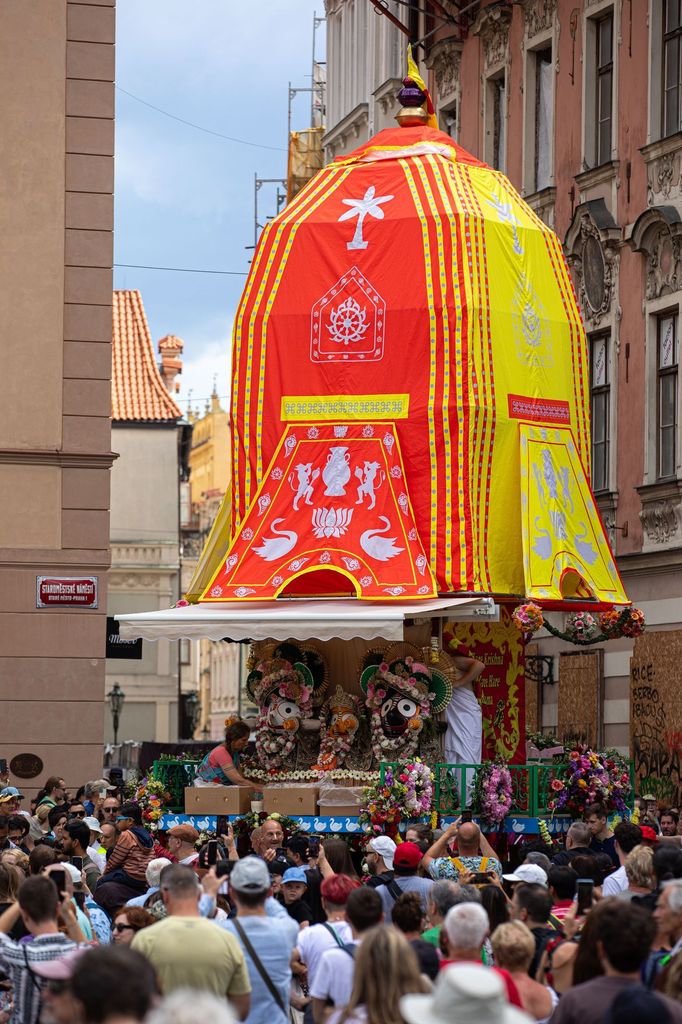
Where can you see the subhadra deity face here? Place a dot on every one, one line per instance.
(343, 723)
(399, 713)
(283, 714)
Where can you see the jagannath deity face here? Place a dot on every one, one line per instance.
(399, 713)
(283, 714)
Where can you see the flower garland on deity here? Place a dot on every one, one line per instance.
(401, 694)
(284, 688)
(339, 724)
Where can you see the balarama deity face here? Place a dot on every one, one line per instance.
(283, 714)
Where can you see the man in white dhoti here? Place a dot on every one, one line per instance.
(463, 743)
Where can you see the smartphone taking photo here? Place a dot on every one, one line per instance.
(212, 853)
(584, 893)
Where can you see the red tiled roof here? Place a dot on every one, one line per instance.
(137, 390)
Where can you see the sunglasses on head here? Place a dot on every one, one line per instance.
(123, 928)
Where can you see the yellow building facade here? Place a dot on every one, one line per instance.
(210, 455)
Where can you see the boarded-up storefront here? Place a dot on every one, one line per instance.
(579, 718)
(656, 714)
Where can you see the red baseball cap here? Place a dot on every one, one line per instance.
(407, 855)
(649, 834)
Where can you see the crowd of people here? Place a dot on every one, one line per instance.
(103, 921)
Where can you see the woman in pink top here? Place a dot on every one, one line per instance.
(219, 767)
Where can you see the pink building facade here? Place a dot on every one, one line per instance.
(580, 103)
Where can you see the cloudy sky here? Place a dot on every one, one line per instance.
(184, 197)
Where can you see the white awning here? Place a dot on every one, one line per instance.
(299, 619)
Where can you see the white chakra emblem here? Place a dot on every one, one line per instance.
(277, 581)
(216, 592)
(396, 472)
(348, 322)
(370, 204)
(368, 431)
(412, 535)
(340, 431)
(277, 473)
(247, 534)
(366, 581)
(325, 557)
(313, 433)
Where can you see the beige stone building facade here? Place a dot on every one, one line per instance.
(145, 508)
(56, 211)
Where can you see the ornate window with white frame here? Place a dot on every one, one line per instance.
(667, 393)
(671, 88)
(601, 29)
(600, 407)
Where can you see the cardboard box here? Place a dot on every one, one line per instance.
(218, 800)
(290, 800)
(339, 810)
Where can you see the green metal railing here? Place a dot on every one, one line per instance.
(531, 786)
(175, 776)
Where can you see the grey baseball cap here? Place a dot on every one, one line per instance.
(250, 875)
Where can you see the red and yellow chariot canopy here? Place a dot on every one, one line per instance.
(409, 294)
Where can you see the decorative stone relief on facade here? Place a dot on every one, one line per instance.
(664, 265)
(446, 67)
(661, 521)
(596, 267)
(493, 28)
(663, 178)
(539, 16)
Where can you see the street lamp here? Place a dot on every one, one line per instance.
(116, 701)
(193, 711)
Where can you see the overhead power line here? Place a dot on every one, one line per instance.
(200, 127)
(183, 270)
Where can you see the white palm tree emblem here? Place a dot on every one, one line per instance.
(370, 203)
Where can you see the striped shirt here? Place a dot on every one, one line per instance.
(16, 959)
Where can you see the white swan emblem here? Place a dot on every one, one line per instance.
(279, 545)
(352, 826)
(334, 825)
(381, 548)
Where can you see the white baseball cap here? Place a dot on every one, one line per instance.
(93, 825)
(385, 847)
(531, 873)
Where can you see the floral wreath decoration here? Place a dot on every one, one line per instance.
(402, 668)
(292, 674)
(337, 739)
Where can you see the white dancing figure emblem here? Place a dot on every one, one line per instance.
(370, 204)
